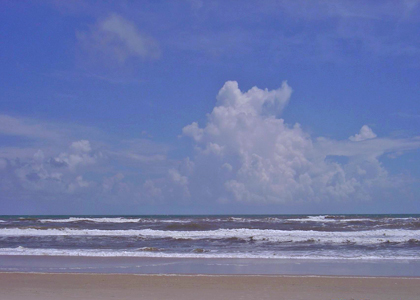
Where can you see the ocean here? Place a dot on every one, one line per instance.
(326, 237)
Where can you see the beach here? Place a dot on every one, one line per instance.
(19, 286)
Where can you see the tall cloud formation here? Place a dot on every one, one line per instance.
(246, 153)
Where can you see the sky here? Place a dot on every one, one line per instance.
(209, 107)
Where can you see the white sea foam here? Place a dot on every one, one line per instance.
(304, 219)
(262, 255)
(326, 219)
(264, 235)
(170, 221)
(403, 219)
(321, 219)
(111, 220)
(96, 220)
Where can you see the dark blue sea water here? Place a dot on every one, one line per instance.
(349, 237)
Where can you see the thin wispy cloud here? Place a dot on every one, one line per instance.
(13, 126)
(117, 39)
(335, 31)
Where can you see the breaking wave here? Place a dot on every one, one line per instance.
(264, 235)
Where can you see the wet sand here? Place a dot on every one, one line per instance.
(209, 266)
(36, 286)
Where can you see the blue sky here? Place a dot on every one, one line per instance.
(166, 107)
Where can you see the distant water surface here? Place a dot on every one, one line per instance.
(353, 237)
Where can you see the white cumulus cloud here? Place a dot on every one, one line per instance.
(81, 146)
(44, 176)
(80, 154)
(247, 153)
(365, 134)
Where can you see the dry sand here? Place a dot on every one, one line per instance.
(19, 286)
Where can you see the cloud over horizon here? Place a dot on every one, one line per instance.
(246, 153)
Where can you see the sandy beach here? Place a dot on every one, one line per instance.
(19, 286)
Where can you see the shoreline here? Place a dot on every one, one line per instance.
(207, 266)
(36, 286)
(218, 275)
